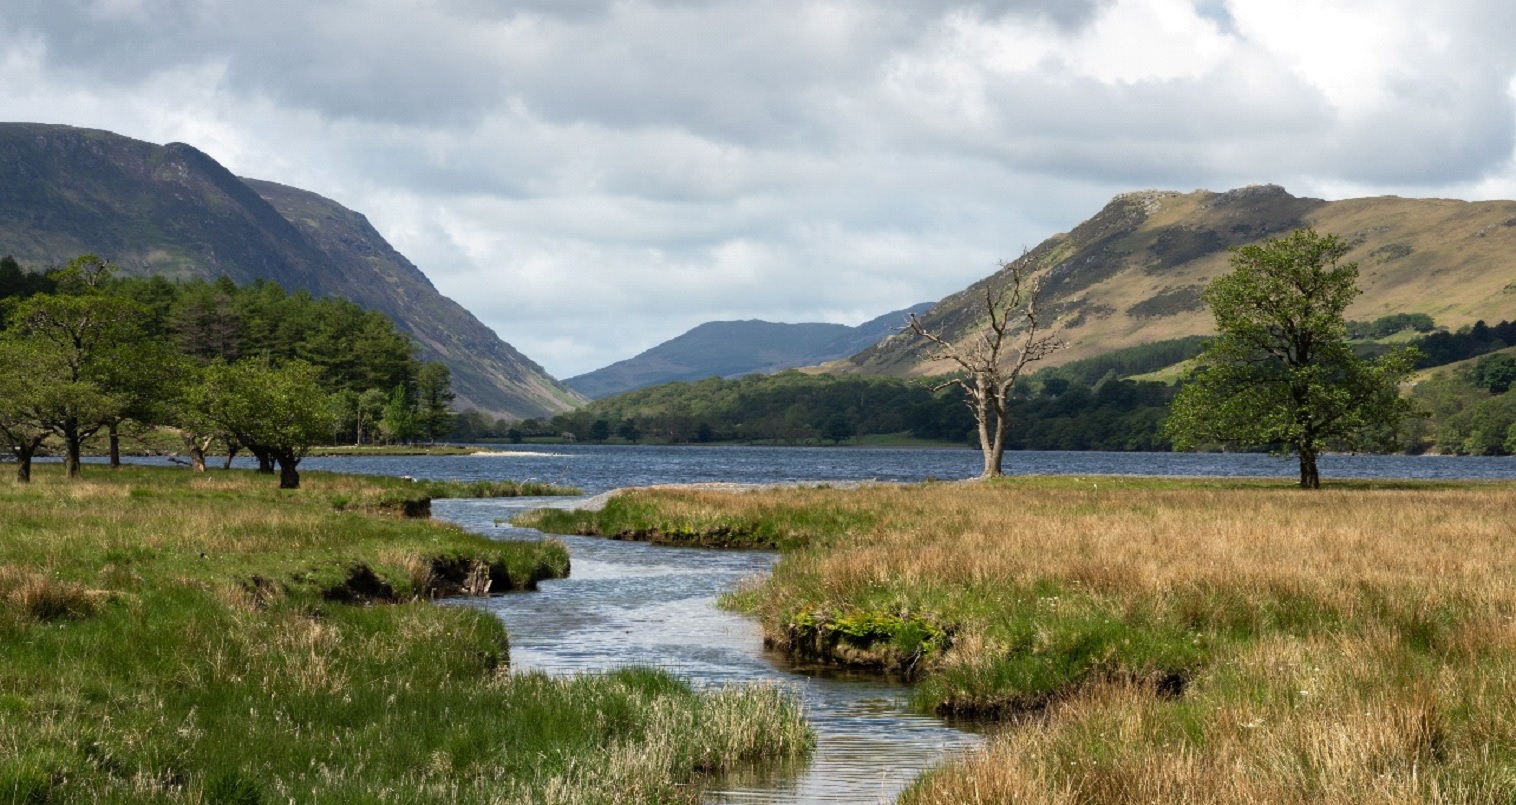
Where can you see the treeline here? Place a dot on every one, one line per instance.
(1471, 408)
(1442, 347)
(1128, 361)
(1386, 326)
(797, 408)
(83, 351)
(1090, 404)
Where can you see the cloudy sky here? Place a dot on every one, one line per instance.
(592, 177)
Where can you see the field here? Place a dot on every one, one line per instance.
(1148, 640)
(175, 637)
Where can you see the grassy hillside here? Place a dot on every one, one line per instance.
(173, 211)
(1133, 273)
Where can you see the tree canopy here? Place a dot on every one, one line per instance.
(1280, 372)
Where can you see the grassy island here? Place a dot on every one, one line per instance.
(1152, 640)
(168, 636)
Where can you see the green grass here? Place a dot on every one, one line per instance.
(168, 636)
(1151, 638)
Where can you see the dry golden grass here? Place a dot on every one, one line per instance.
(1352, 645)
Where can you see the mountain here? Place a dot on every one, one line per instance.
(1133, 273)
(171, 210)
(734, 348)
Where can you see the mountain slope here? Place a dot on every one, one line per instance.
(734, 348)
(484, 367)
(172, 210)
(1132, 274)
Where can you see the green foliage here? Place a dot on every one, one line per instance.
(85, 350)
(1126, 362)
(434, 399)
(1496, 373)
(399, 421)
(1281, 373)
(274, 411)
(1386, 326)
(1441, 348)
(1467, 418)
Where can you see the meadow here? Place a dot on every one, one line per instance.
(1152, 640)
(174, 637)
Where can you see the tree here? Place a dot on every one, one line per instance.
(141, 374)
(275, 412)
(993, 359)
(600, 430)
(83, 334)
(1280, 372)
(434, 400)
(837, 428)
(25, 381)
(1496, 373)
(399, 420)
(629, 431)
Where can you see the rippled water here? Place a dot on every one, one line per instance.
(600, 468)
(637, 604)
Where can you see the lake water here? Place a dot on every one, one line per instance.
(637, 604)
(596, 468)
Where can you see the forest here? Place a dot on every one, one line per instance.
(84, 351)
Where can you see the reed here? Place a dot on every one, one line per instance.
(1151, 640)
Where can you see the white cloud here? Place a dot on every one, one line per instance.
(592, 177)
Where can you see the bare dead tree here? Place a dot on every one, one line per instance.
(993, 359)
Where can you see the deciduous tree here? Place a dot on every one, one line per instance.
(278, 412)
(1280, 372)
(991, 360)
(25, 381)
(81, 333)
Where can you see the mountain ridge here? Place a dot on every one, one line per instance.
(172, 210)
(735, 348)
(1132, 273)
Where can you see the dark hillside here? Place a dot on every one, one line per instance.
(173, 211)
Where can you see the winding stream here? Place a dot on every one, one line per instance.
(636, 604)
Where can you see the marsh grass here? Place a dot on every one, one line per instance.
(173, 637)
(1157, 640)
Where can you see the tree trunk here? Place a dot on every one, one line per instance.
(986, 441)
(994, 458)
(1309, 477)
(115, 440)
(193, 446)
(265, 460)
(232, 448)
(71, 453)
(289, 478)
(24, 463)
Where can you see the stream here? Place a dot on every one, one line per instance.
(630, 603)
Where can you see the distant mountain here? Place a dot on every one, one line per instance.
(1133, 273)
(734, 348)
(173, 211)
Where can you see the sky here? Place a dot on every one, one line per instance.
(593, 177)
